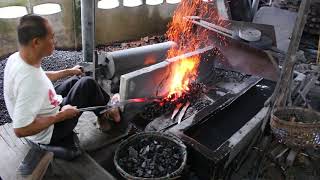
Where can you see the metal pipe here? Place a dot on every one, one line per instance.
(124, 61)
(254, 8)
(87, 29)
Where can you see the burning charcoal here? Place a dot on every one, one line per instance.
(168, 104)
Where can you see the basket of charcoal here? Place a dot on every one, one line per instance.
(151, 155)
(296, 127)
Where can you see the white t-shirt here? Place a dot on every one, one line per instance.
(28, 94)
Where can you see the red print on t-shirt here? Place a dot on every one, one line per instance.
(52, 99)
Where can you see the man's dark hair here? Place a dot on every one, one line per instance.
(31, 26)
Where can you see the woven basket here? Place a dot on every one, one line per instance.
(296, 127)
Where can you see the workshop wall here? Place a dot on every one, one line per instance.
(117, 24)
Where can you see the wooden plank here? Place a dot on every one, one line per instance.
(41, 168)
(12, 152)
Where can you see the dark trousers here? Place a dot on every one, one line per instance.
(81, 92)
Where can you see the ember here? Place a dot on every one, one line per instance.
(168, 104)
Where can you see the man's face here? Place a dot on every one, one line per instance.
(46, 45)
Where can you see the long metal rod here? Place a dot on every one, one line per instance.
(121, 103)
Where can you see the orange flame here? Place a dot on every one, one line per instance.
(182, 31)
(184, 73)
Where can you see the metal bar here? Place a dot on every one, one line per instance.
(318, 57)
(87, 29)
(183, 111)
(176, 110)
(223, 29)
(210, 28)
(254, 8)
(91, 108)
(121, 103)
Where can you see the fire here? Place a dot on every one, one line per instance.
(185, 71)
(182, 31)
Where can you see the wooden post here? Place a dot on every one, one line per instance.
(282, 91)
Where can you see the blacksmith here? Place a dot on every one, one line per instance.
(40, 112)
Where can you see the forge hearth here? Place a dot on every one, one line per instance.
(226, 91)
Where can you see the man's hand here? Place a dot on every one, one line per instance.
(77, 70)
(56, 75)
(69, 112)
(41, 123)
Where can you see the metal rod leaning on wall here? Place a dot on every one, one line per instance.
(87, 29)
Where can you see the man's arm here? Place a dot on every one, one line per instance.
(56, 75)
(41, 123)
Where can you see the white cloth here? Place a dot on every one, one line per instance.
(28, 94)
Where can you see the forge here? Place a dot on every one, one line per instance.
(218, 123)
(210, 92)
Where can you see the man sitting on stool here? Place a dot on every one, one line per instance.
(43, 114)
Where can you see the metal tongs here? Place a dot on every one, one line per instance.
(103, 109)
(211, 26)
